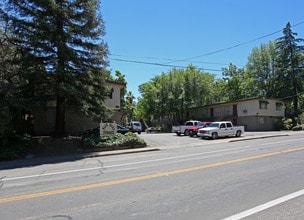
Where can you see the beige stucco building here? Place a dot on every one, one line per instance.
(255, 114)
(44, 122)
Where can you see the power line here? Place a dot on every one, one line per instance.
(237, 45)
(167, 64)
(161, 64)
(172, 60)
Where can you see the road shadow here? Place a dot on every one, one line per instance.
(14, 164)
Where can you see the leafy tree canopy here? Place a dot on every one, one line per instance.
(171, 94)
(275, 69)
(63, 56)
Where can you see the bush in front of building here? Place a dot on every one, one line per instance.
(297, 128)
(284, 124)
(13, 145)
(112, 142)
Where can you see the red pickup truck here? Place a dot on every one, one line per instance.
(194, 129)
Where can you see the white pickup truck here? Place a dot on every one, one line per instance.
(183, 129)
(220, 129)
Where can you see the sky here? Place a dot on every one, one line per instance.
(149, 37)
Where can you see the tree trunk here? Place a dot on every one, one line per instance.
(295, 91)
(60, 118)
(295, 105)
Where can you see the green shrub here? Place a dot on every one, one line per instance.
(112, 142)
(287, 123)
(301, 118)
(5, 120)
(12, 145)
(297, 128)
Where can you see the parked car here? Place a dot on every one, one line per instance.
(194, 129)
(122, 130)
(184, 129)
(135, 126)
(96, 131)
(152, 130)
(220, 129)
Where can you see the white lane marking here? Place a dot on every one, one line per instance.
(265, 206)
(121, 165)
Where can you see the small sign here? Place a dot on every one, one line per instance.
(108, 129)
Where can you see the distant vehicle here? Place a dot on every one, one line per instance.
(220, 129)
(122, 130)
(96, 131)
(194, 129)
(184, 129)
(135, 126)
(152, 130)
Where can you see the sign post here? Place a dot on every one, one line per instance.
(108, 129)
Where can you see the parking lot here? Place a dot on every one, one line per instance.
(171, 140)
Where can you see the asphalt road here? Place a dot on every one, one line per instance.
(188, 178)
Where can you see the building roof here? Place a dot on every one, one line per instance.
(236, 101)
(116, 83)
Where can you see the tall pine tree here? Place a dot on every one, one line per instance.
(289, 72)
(61, 42)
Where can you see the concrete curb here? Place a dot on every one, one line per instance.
(258, 137)
(119, 152)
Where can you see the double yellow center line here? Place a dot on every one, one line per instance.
(150, 176)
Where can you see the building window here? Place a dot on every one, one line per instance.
(111, 93)
(263, 104)
(279, 106)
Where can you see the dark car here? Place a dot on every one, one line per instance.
(96, 131)
(121, 129)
